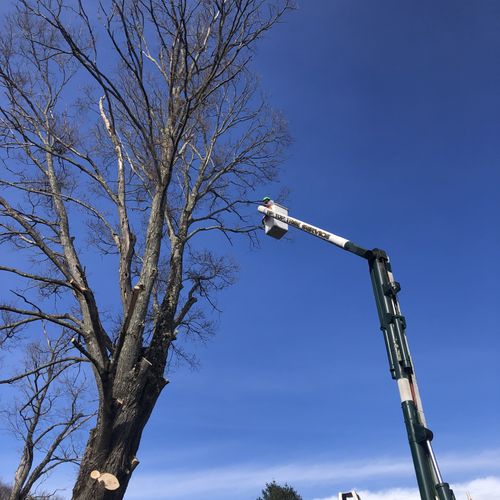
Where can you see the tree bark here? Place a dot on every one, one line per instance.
(22, 473)
(113, 443)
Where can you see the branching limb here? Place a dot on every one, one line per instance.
(126, 241)
(58, 319)
(70, 360)
(35, 277)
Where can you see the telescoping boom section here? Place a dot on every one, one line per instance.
(393, 325)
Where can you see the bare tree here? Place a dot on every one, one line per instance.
(134, 130)
(47, 414)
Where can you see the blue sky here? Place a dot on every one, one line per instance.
(394, 109)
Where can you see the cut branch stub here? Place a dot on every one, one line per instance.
(107, 480)
(133, 464)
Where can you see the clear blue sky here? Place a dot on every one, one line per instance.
(394, 108)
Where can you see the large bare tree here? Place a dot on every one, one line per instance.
(48, 412)
(133, 129)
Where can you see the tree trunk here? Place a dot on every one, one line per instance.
(19, 490)
(113, 443)
(20, 477)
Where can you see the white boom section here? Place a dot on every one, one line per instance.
(315, 231)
